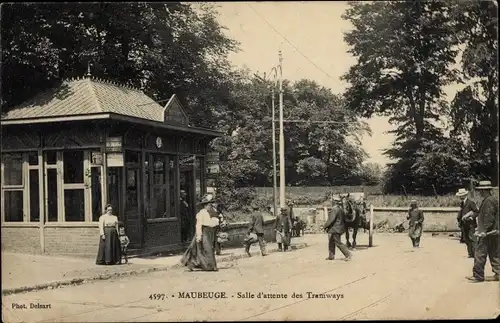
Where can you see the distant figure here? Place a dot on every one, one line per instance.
(416, 217)
(109, 252)
(186, 222)
(487, 234)
(200, 253)
(283, 228)
(256, 226)
(220, 235)
(467, 220)
(124, 242)
(335, 227)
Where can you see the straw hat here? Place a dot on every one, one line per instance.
(484, 185)
(207, 198)
(413, 202)
(336, 198)
(462, 192)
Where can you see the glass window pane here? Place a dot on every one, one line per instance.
(132, 189)
(51, 157)
(159, 203)
(74, 207)
(33, 158)
(34, 196)
(52, 195)
(73, 166)
(132, 156)
(198, 178)
(13, 206)
(159, 166)
(171, 187)
(13, 169)
(96, 188)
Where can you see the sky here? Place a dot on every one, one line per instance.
(317, 50)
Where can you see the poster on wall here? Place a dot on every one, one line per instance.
(115, 160)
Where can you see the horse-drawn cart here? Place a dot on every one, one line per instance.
(356, 216)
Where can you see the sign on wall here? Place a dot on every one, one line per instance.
(114, 144)
(96, 158)
(115, 159)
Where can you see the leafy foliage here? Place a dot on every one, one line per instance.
(162, 48)
(406, 52)
(474, 113)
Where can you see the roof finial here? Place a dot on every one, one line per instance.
(88, 70)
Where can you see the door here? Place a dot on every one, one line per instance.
(114, 191)
(132, 211)
(188, 214)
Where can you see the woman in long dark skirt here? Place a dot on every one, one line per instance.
(200, 253)
(109, 252)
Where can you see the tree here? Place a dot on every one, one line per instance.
(474, 113)
(405, 51)
(162, 48)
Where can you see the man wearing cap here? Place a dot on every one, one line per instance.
(467, 220)
(416, 217)
(487, 234)
(283, 228)
(335, 226)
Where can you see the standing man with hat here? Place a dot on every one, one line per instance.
(487, 234)
(467, 220)
(416, 217)
(335, 226)
(283, 228)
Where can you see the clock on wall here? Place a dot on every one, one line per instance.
(159, 142)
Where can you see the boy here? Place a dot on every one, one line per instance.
(124, 241)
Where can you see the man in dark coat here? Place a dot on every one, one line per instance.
(186, 221)
(335, 226)
(487, 234)
(416, 217)
(467, 220)
(283, 228)
(256, 226)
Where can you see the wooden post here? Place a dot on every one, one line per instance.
(435, 192)
(325, 213)
(41, 190)
(370, 238)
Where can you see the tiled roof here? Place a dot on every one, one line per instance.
(88, 96)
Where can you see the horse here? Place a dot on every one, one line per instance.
(355, 218)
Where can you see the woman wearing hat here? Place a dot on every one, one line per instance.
(487, 234)
(200, 253)
(416, 217)
(467, 220)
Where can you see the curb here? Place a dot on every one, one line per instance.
(81, 281)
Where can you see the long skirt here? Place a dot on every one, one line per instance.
(109, 252)
(415, 230)
(201, 255)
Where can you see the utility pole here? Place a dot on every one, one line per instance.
(275, 182)
(282, 137)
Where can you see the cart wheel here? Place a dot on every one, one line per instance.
(370, 232)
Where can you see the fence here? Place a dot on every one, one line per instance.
(436, 219)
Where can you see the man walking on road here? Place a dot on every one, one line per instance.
(487, 234)
(467, 220)
(335, 226)
(416, 217)
(256, 226)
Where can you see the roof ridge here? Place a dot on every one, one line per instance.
(115, 83)
(94, 95)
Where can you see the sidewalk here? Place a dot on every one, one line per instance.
(24, 272)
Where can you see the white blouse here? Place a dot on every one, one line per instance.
(105, 221)
(203, 218)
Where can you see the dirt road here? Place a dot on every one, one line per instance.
(388, 281)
